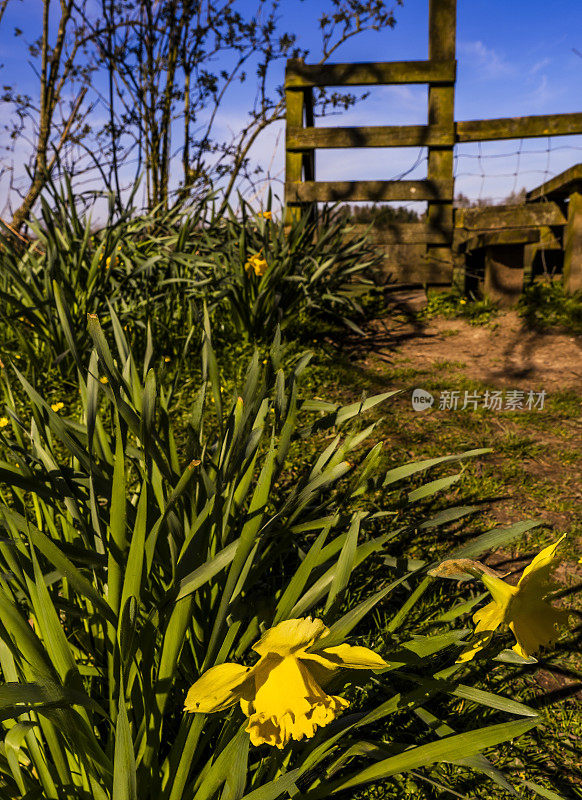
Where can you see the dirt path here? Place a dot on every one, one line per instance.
(503, 354)
(536, 467)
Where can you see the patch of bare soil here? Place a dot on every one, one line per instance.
(503, 354)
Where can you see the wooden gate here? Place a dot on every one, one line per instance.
(433, 241)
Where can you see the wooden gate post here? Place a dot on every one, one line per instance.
(572, 273)
(441, 113)
(297, 100)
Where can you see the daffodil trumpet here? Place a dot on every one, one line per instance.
(281, 694)
(525, 608)
(256, 264)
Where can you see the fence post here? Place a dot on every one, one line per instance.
(309, 155)
(441, 113)
(294, 162)
(572, 273)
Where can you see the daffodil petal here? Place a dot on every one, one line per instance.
(535, 625)
(500, 591)
(478, 644)
(345, 655)
(217, 689)
(536, 574)
(489, 618)
(289, 704)
(291, 635)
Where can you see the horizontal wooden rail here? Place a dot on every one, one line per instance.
(521, 216)
(300, 76)
(401, 233)
(371, 136)
(559, 186)
(372, 191)
(431, 135)
(514, 236)
(482, 130)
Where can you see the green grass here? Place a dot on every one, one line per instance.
(545, 305)
(454, 305)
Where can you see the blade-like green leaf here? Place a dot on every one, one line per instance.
(124, 771)
(446, 749)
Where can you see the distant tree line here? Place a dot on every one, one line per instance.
(382, 215)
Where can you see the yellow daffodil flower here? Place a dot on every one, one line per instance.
(112, 261)
(524, 608)
(57, 406)
(256, 263)
(281, 695)
(4, 421)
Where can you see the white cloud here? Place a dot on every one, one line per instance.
(540, 65)
(491, 63)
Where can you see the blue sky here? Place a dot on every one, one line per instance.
(515, 57)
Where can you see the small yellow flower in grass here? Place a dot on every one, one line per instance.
(104, 379)
(524, 608)
(281, 695)
(462, 301)
(57, 406)
(4, 421)
(167, 359)
(266, 214)
(256, 263)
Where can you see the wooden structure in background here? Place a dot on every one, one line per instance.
(448, 234)
(566, 187)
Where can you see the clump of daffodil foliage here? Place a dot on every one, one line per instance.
(260, 273)
(174, 625)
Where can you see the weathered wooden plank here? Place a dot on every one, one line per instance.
(442, 26)
(299, 75)
(522, 216)
(482, 130)
(558, 187)
(401, 233)
(408, 265)
(505, 237)
(369, 136)
(293, 161)
(351, 191)
(503, 274)
(572, 274)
